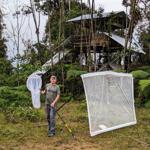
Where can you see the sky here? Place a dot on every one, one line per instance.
(27, 28)
(108, 5)
(26, 25)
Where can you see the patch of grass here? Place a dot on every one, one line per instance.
(33, 136)
(17, 114)
(16, 104)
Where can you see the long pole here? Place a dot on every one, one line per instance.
(65, 124)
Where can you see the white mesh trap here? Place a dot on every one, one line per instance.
(110, 100)
(34, 83)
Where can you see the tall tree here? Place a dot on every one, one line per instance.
(36, 8)
(5, 64)
(144, 30)
(135, 16)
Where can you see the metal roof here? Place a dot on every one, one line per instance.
(95, 16)
(58, 56)
(134, 45)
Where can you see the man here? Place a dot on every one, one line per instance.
(52, 91)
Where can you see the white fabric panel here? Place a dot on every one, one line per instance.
(110, 100)
(34, 83)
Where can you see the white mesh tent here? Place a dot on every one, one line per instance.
(110, 100)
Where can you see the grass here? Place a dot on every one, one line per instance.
(28, 135)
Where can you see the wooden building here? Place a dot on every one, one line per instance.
(102, 35)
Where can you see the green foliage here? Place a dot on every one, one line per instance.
(16, 114)
(76, 9)
(36, 55)
(14, 96)
(144, 88)
(66, 97)
(119, 70)
(20, 88)
(142, 93)
(3, 79)
(147, 104)
(16, 104)
(74, 83)
(142, 85)
(5, 65)
(74, 74)
(43, 53)
(139, 74)
(55, 18)
(145, 68)
(9, 132)
(27, 135)
(3, 48)
(3, 104)
(145, 41)
(138, 102)
(24, 71)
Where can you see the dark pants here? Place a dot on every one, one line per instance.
(51, 113)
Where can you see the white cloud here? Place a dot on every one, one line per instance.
(108, 5)
(27, 31)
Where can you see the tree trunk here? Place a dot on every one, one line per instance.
(37, 25)
(49, 35)
(130, 30)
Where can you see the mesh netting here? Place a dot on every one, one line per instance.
(34, 83)
(110, 100)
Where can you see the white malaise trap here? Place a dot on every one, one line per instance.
(34, 83)
(110, 100)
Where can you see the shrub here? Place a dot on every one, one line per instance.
(147, 104)
(3, 104)
(15, 103)
(74, 83)
(138, 102)
(16, 114)
(144, 88)
(145, 68)
(20, 88)
(72, 74)
(2, 79)
(139, 74)
(143, 93)
(24, 72)
(15, 96)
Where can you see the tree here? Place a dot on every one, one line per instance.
(36, 8)
(135, 17)
(5, 64)
(144, 30)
